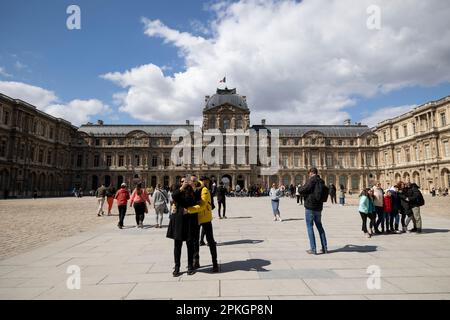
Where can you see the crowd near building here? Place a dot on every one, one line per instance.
(50, 156)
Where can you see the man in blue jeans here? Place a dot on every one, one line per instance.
(313, 209)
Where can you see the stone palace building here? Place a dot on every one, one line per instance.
(50, 155)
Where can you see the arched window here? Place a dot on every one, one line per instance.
(226, 124)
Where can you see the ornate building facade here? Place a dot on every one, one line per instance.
(40, 152)
(416, 146)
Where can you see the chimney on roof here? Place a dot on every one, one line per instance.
(188, 122)
(207, 98)
(245, 98)
(347, 122)
(263, 122)
(89, 123)
(100, 122)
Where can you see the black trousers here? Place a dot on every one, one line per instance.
(207, 228)
(364, 217)
(178, 244)
(196, 241)
(122, 213)
(202, 236)
(221, 203)
(139, 208)
(333, 198)
(298, 199)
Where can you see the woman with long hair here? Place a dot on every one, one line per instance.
(139, 197)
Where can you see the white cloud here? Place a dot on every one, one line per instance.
(76, 111)
(4, 73)
(385, 114)
(297, 62)
(36, 96)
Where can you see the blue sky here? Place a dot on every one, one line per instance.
(37, 49)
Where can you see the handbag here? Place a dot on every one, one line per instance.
(166, 201)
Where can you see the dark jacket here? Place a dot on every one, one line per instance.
(333, 190)
(307, 191)
(221, 193)
(414, 196)
(404, 203)
(183, 226)
(395, 202)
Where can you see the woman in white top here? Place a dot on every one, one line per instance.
(275, 195)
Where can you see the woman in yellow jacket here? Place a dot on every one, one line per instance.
(204, 211)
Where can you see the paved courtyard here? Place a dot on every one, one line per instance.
(259, 258)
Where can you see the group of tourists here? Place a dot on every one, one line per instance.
(386, 209)
(191, 209)
(138, 199)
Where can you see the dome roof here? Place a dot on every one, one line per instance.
(226, 96)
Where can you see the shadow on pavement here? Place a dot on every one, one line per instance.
(355, 248)
(293, 219)
(243, 265)
(228, 218)
(435, 230)
(246, 241)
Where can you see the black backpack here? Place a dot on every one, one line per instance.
(321, 191)
(420, 200)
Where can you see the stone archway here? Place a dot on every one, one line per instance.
(416, 178)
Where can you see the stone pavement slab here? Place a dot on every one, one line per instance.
(259, 258)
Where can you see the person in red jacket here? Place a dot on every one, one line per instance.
(122, 196)
(387, 208)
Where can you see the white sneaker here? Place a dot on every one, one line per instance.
(275, 219)
(279, 219)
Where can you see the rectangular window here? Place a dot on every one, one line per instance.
(329, 160)
(352, 142)
(110, 142)
(443, 119)
(339, 142)
(285, 160)
(120, 161)
(22, 151)
(314, 160)
(446, 149)
(408, 155)
(154, 161)
(41, 156)
(385, 158)
(384, 136)
(79, 160)
(49, 157)
(369, 159)
(96, 161)
(341, 160)
(414, 127)
(399, 156)
(327, 142)
(416, 150)
(137, 160)
(3, 149)
(405, 130)
(97, 142)
(5, 117)
(353, 160)
(397, 135)
(167, 162)
(296, 160)
(427, 151)
(108, 161)
(51, 133)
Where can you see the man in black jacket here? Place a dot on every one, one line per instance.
(415, 199)
(312, 192)
(221, 199)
